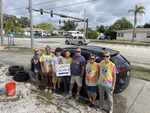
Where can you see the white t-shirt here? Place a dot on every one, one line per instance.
(57, 60)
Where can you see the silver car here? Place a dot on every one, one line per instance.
(77, 40)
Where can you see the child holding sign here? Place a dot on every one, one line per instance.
(55, 61)
(66, 79)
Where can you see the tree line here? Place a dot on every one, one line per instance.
(12, 22)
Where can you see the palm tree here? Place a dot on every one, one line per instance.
(138, 11)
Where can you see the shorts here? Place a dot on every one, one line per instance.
(56, 79)
(47, 74)
(92, 90)
(37, 70)
(76, 79)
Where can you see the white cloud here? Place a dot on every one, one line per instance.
(99, 11)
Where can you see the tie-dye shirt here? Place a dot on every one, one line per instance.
(67, 60)
(47, 61)
(106, 75)
(92, 74)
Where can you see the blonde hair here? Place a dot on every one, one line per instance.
(106, 52)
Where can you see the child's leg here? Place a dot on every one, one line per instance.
(37, 80)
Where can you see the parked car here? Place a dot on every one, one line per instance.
(122, 64)
(103, 37)
(77, 40)
(46, 35)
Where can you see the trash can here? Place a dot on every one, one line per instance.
(10, 88)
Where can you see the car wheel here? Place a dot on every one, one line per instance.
(21, 76)
(124, 83)
(80, 43)
(13, 69)
(67, 42)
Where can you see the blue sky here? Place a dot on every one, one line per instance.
(98, 12)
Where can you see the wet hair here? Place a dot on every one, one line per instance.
(47, 46)
(92, 55)
(58, 49)
(106, 52)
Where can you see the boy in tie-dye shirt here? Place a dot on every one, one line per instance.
(107, 80)
(91, 79)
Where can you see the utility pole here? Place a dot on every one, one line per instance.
(85, 22)
(31, 24)
(1, 17)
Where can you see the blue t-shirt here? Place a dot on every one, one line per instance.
(36, 66)
(76, 65)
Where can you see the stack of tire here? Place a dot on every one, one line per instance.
(18, 73)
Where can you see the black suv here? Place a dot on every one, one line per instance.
(122, 64)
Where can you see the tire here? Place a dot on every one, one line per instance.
(67, 42)
(13, 69)
(124, 86)
(21, 76)
(80, 43)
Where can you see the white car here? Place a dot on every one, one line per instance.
(77, 40)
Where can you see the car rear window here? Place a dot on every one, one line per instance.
(119, 60)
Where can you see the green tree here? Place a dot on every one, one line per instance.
(12, 22)
(45, 26)
(92, 34)
(69, 25)
(122, 24)
(137, 11)
(24, 22)
(147, 25)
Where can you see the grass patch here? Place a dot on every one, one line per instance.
(141, 73)
(22, 50)
(121, 42)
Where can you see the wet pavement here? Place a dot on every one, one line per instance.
(135, 99)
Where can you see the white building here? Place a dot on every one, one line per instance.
(141, 34)
(41, 32)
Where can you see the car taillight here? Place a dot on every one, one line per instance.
(122, 70)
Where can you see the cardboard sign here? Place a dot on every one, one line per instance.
(63, 70)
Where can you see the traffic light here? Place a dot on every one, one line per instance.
(51, 13)
(59, 21)
(41, 11)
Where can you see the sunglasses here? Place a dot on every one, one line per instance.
(78, 51)
(106, 56)
(92, 58)
(37, 51)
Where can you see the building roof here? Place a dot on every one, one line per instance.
(34, 29)
(136, 30)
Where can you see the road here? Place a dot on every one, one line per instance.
(137, 55)
(135, 99)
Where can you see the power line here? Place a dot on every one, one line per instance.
(42, 3)
(37, 4)
(78, 3)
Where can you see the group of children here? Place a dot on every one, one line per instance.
(98, 76)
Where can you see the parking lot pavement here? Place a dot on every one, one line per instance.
(135, 99)
(137, 55)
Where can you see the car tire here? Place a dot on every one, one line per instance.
(127, 81)
(21, 76)
(80, 43)
(124, 86)
(13, 69)
(67, 42)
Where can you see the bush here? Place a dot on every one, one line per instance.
(92, 34)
